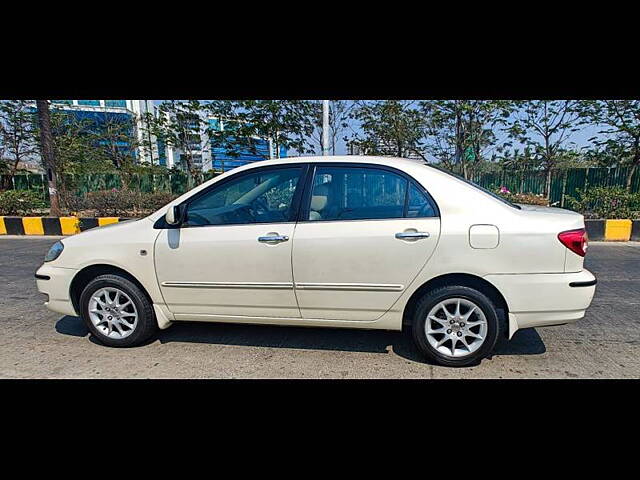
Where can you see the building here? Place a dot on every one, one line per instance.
(99, 112)
(206, 155)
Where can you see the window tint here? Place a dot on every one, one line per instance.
(341, 193)
(259, 197)
(419, 204)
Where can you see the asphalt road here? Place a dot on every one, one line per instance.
(37, 343)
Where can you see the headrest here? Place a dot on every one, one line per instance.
(319, 197)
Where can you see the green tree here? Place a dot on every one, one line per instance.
(115, 140)
(389, 127)
(18, 133)
(460, 133)
(180, 124)
(545, 126)
(286, 123)
(620, 121)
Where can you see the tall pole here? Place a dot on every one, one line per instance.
(325, 127)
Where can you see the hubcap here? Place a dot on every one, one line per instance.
(456, 327)
(113, 313)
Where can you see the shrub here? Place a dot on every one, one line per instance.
(118, 203)
(524, 198)
(606, 202)
(20, 202)
(150, 202)
(110, 202)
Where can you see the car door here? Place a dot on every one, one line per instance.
(232, 254)
(364, 234)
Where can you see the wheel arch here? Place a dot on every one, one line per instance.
(463, 279)
(89, 272)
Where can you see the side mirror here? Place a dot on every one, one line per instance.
(174, 215)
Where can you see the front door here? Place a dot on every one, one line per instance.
(232, 256)
(365, 234)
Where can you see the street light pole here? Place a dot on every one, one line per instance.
(325, 127)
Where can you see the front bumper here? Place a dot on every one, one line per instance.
(57, 287)
(539, 300)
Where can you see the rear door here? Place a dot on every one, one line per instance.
(364, 233)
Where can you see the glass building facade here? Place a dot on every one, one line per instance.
(222, 159)
(123, 116)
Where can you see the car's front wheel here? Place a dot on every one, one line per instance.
(117, 311)
(455, 326)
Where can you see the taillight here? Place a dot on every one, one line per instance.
(575, 240)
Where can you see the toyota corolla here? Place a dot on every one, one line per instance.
(355, 242)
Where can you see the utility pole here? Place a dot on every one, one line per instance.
(325, 127)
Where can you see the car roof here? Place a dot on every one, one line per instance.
(391, 161)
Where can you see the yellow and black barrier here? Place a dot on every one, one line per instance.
(618, 230)
(52, 225)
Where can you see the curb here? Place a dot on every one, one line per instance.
(617, 230)
(52, 225)
(635, 231)
(595, 229)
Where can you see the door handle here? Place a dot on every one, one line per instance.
(412, 235)
(273, 238)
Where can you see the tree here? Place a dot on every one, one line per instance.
(286, 123)
(48, 156)
(545, 126)
(18, 133)
(339, 112)
(77, 147)
(230, 134)
(115, 139)
(389, 127)
(461, 132)
(621, 122)
(180, 124)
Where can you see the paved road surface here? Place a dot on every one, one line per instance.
(37, 343)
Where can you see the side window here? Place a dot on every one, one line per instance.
(259, 197)
(419, 204)
(344, 193)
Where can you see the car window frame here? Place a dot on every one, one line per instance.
(303, 211)
(293, 209)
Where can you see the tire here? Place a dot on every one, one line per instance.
(483, 321)
(144, 322)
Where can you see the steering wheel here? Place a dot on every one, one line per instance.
(256, 205)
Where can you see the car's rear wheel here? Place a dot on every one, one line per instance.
(455, 326)
(117, 311)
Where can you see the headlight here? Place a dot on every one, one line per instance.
(54, 252)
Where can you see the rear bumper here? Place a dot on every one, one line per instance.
(539, 300)
(56, 287)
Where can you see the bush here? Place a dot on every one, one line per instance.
(110, 203)
(150, 202)
(20, 202)
(119, 203)
(524, 198)
(606, 202)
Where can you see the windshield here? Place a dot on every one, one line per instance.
(469, 182)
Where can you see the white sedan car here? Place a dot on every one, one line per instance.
(355, 242)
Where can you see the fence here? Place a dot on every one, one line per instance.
(563, 183)
(177, 183)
